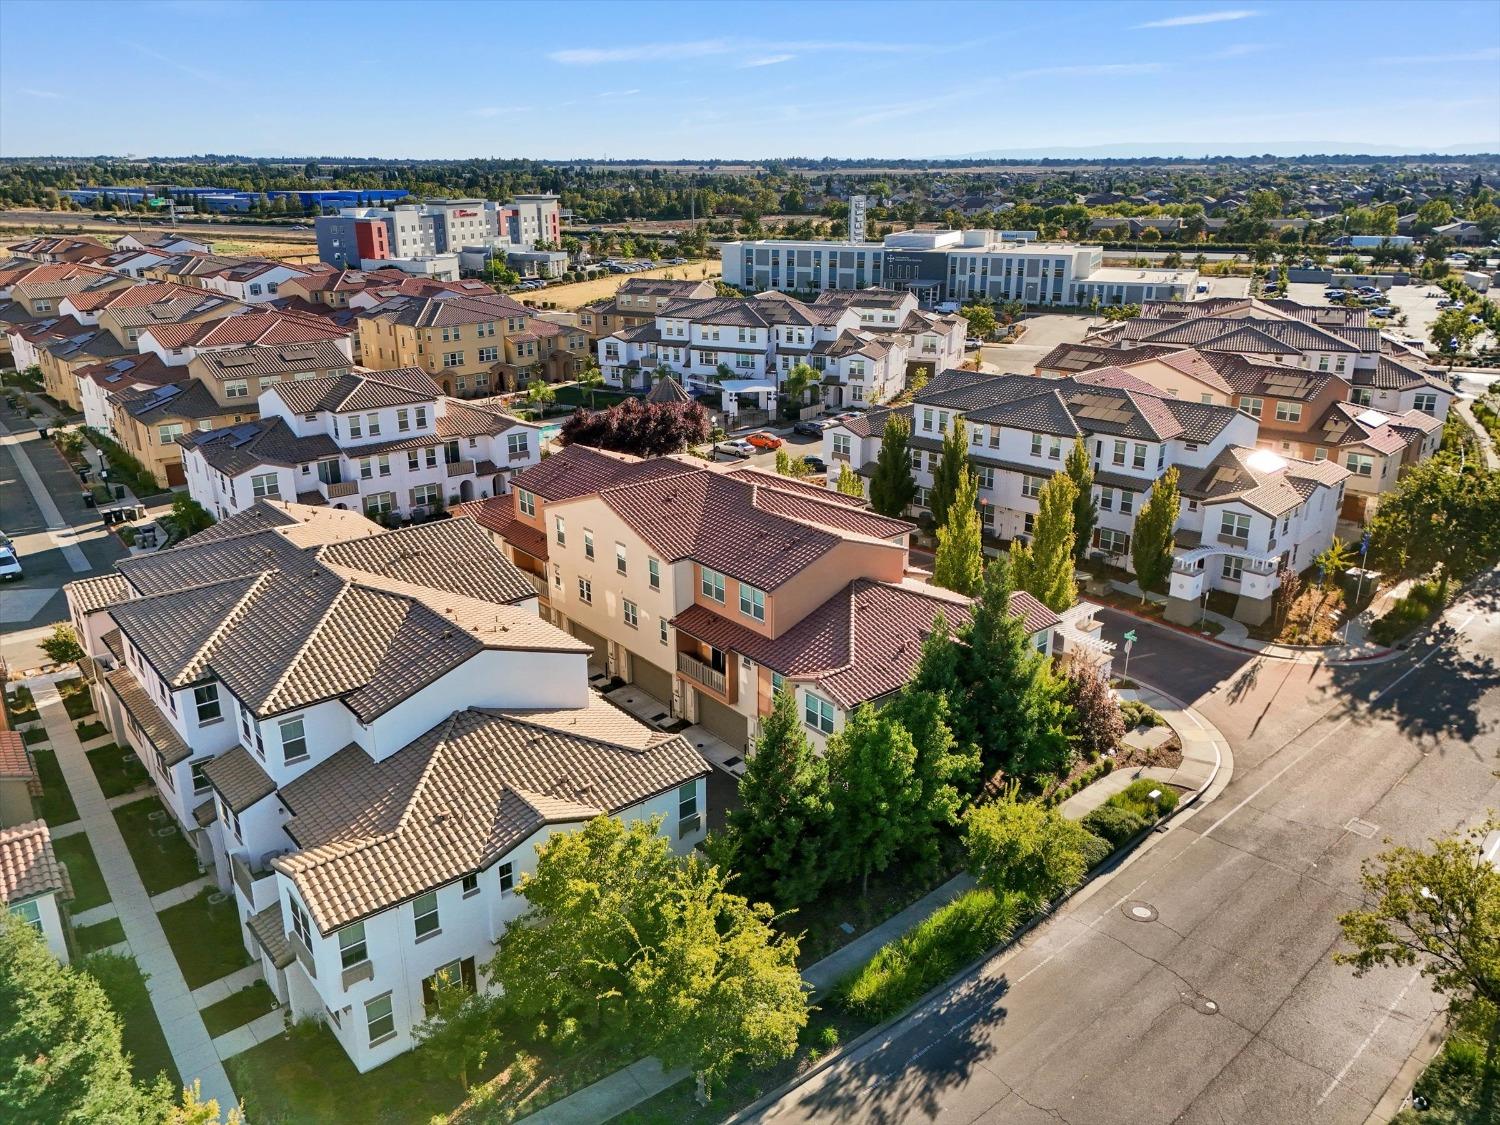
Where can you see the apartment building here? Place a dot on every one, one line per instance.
(389, 444)
(637, 302)
(366, 735)
(472, 346)
(150, 422)
(59, 249)
(178, 344)
(33, 884)
(712, 589)
(364, 289)
(411, 232)
(99, 382)
(952, 265)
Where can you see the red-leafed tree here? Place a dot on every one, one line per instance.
(646, 429)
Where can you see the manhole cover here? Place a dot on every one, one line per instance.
(1139, 911)
(1361, 827)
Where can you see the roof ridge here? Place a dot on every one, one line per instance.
(307, 642)
(233, 617)
(445, 730)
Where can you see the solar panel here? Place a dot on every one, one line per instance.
(236, 360)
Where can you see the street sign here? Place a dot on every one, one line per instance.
(1131, 638)
(1364, 544)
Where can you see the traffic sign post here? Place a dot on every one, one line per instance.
(1130, 639)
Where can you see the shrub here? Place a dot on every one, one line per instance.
(1114, 824)
(901, 971)
(1137, 714)
(1423, 600)
(1137, 798)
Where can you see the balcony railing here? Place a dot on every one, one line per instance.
(538, 583)
(342, 488)
(704, 673)
(520, 454)
(1242, 542)
(460, 468)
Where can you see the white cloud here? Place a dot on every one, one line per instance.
(703, 48)
(1197, 18)
(1488, 54)
(33, 92)
(1091, 70)
(765, 60)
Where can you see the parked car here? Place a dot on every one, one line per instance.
(678, 262)
(1383, 310)
(1450, 304)
(973, 342)
(810, 428)
(10, 566)
(1335, 294)
(764, 439)
(735, 447)
(815, 464)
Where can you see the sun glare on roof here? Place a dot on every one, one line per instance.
(1264, 461)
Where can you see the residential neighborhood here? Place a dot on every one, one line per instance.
(681, 580)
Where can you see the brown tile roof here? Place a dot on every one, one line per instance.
(15, 762)
(238, 778)
(28, 865)
(1265, 481)
(269, 930)
(153, 725)
(257, 327)
(361, 390)
(460, 798)
(498, 514)
(451, 555)
(433, 312)
(237, 449)
(255, 360)
(189, 400)
(580, 470)
(90, 594)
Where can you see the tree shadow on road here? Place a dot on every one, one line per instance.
(908, 1075)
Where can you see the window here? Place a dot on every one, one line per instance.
(469, 884)
(206, 701)
(1031, 487)
(380, 1020)
(1426, 403)
(842, 445)
(526, 502)
(237, 388)
(1251, 405)
(200, 779)
(424, 914)
(263, 485)
(1322, 363)
(1036, 445)
(1127, 502)
(403, 420)
(620, 566)
(1138, 457)
(752, 602)
(688, 820)
(561, 529)
(517, 445)
(1320, 454)
(453, 359)
(1233, 567)
(507, 872)
(379, 503)
(653, 573)
(489, 355)
(300, 925)
(421, 416)
(778, 681)
(1054, 449)
(1113, 542)
(985, 476)
(585, 591)
(352, 948)
(372, 424)
(30, 913)
(1360, 464)
(169, 433)
(1119, 453)
(818, 713)
(588, 543)
(1288, 412)
(293, 740)
(1106, 499)
(356, 427)
(630, 613)
(1235, 525)
(712, 584)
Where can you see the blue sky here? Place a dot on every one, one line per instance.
(670, 81)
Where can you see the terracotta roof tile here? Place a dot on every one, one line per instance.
(28, 865)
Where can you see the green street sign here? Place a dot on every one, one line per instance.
(1130, 637)
(158, 201)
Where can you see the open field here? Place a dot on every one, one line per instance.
(583, 292)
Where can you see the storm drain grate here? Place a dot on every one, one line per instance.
(1361, 827)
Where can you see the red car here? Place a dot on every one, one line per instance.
(761, 439)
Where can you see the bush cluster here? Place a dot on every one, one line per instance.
(1425, 599)
(1137, 714)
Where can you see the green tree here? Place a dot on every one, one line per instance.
(1334, 560)
(1044, 567)
(593, 379)
(850, 483)
(721, 988)
(1437, 907)
(794, 388)
(952, 466)
(981, 318)
(775, 839)
(1439, 517)
(188, 516)
(874, 791)
(788, 466)
(1452, 331)
(1085, 508)
(1095, 724)
(461, 1030)
(62, 646)
(959, 563)
(891, 485)
(1151, 545)
(539, 392)
(944, 770)
(1025, 847)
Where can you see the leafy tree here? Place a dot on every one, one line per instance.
(874, 791)
(1085, 508)
(539, 392)
(1122, 312)
(721, 988)
(646, 429)
(1438, 517)
(952, 466)
(1025, 847)
(981, 318)
(850, 483)
(1437, 907)
(775, 838)
(462, 1030)
(1095, 725)
(593, 379)
(188, 516)
(1044, 567)
(62, 646)
(1151, 546)
(891, 485)
(1452, 331)
(1334, 560)
(1433, 213)
(788, 466)
(944, 770)
(794, 388)
(959, 563)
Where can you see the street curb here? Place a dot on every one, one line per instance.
(1380, 657)
(1100, 877)
(1394, 1099)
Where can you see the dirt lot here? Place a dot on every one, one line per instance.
(583, 292)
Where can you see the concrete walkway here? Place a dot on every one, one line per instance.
(1481, 435)
(252, 1034)
(192, 1049)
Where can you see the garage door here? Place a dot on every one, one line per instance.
(600, 645)
(654, 680)
(724, 721)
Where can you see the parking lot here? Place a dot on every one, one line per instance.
(796, 446)
(1417, 303)
(1043, 333)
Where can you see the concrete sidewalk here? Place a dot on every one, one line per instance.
(192, 1049)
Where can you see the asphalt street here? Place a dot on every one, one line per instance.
(1226, 1007)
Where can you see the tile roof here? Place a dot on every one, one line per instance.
(451, 555)
(1263, 480)
(190, 400)
(238, 778)
(255, 360)
(581, 470)
(138, 705)
(28, 865)
(667, 389)
(1390, 375)
(361, 390)
(91, 594)
(15, 762)
(141, 370)
(432, 312)
(461, 797)
(1086, 357)
(269, 930)
(237, 449)
(260, 326)
(498, 515)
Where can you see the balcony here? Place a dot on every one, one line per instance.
(460, 469)
(702, 672)
(520, 454)
(341, 488)
(538, 583)
(1241, 543)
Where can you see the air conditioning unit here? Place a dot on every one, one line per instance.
(419, 511)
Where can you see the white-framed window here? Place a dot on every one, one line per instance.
(380, 1019)
(169, 433)
(842, 445)
(1031, 487)
(985, 475)
(1426, 403)
(1233, 568)
(630, 613)
(1236, 525)
(1113, 542)
(206, 703)
(403, 419)
(356, 426)
(379, 503)
(817, 713)
(29, 912)
(752, 602)
(588, 543)
(560, 528)
(237, 388)
(1360, 464)
(688, 820)
(621, 566)
(424, 914)
(421, 414)
(1320, 454)
(263, 485)
(1138, 456)
(489, 355)
(300, 925)
(517, 445)
(1288, 411)
(1118, 454)
(372, 424)
(712, 584)
(585, 591)
(200, 779)
(661, 629)
(507, 873)
(653, 573)
(352, 948)
(1106, 499)
(1251, 405)
(469, 884)
(453, 359)
(293, 740)
(1127, 502)
(526, 502)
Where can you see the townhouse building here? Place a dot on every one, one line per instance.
(149, 422)
(33, 884)
(637, 302)
(389, 444)
(179, 344)
(55, 249)
(1021, 427)
(99, 382)
(713, 589)
(365, 735)
(952, 265)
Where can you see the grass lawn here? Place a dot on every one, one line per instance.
(163, 862)
(99, 936)
(119, 771)
(125, 985)
(87, 732)
(21, 705)
(89, 888)
(55, 805)
(34, 735)
(76, 698)
(238, 1009)
(574, 395)
(205, 937)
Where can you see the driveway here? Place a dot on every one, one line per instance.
(796, 445)
(1043, 333)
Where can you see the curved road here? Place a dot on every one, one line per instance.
(1227, 1008)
